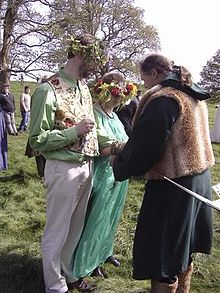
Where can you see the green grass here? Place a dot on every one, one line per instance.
(22, 218)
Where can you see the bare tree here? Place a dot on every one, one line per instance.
(25, 39)
(8, 25)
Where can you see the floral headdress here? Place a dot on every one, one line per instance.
(102, 92)
(93, 51)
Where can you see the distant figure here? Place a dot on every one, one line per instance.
(8, 105)
(127, 112)
(29, 152)
(3, 140)
(25, 101)
(43, 78)
(215, 132)
(22, 78)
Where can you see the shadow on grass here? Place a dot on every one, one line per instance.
(20, 274)
(21, 177)
(15, 178)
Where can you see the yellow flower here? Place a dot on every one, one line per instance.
(103, 92)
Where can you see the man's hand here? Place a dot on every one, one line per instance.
(84, 127)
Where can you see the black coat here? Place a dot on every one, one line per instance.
(8, 102)
(171, 224)
(126, 115)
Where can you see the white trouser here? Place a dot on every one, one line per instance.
(68, 189)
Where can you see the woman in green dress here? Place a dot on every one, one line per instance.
(108, 195)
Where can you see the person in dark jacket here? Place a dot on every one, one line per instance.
(8, 105)
(127, 112)
(3, 140)
(170, 137)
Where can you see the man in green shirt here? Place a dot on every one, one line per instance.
(62, 130)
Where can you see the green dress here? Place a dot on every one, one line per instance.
(106, 203)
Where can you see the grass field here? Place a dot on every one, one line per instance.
(22, 218)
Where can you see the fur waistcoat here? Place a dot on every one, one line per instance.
(188, 150)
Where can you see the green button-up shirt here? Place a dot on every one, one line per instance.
(43, 137)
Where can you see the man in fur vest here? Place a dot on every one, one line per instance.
(170, 138)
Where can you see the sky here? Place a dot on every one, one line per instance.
(189, 30)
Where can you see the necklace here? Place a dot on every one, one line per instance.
(106, 113)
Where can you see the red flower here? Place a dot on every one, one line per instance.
(97, 89)
(55, 81)
(126, 92)
(99, 82)
(68, 122)
(129, 87)
(115, 91)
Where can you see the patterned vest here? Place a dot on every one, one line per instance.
(188, 150)
(74, 105)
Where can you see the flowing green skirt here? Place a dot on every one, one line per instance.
(104, 211)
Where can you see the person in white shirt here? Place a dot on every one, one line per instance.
(25, 101)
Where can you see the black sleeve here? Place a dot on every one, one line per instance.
(13, 99)
(147, 140)
(3, 102)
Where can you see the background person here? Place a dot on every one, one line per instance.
(39, 158)
(62, 130)
(8, 105)
(108, 196)
(25, 106)
(127, 112)
(170, 138)
(3, 140)
(215, 131)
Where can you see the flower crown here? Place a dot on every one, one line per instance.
(102, 92)
(92, 52)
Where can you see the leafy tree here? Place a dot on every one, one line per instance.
(210, 74)
(117, 22)
(35, 33)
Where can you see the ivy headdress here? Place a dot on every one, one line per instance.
(90, 47)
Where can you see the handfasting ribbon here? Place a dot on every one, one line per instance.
(215, 204)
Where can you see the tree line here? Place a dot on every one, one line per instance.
(210, 75)
(34, 35)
